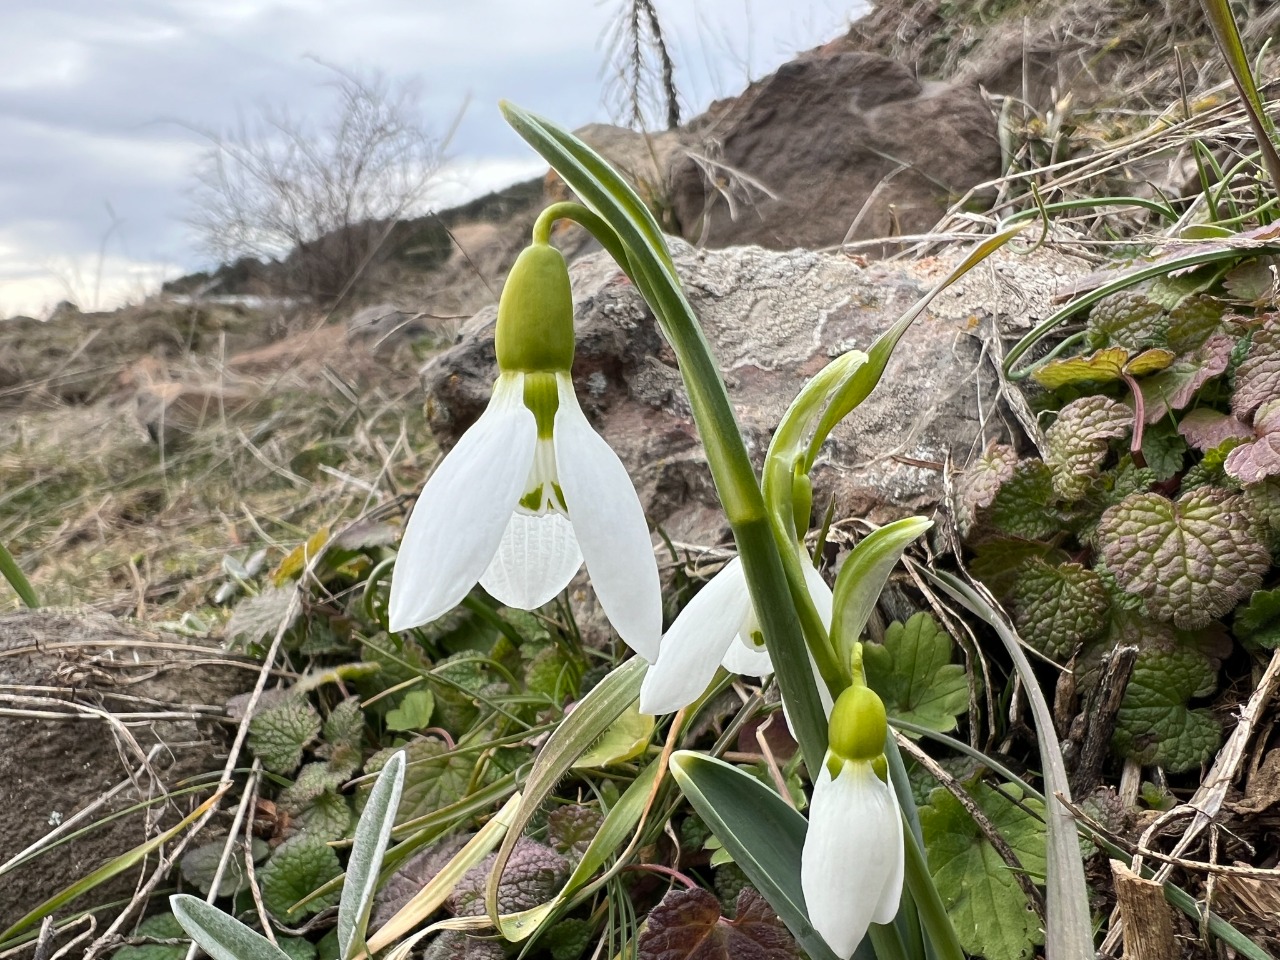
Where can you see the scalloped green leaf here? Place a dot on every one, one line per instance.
(991, 914)
(1259, 621)
(1021, 507)
(1155, 724)
(328, 817)
(1191, 560)
(344, 727)
(413, 713)
(1164, 449)
(978, 485)
(1176, 386)
(279, 734)
(1192, 322)
(913, 673)
(1059, 608)
(297, 867)
(1127, 318)
(1080, 439)
(434, 776)
(1258, 376)
(164, 926)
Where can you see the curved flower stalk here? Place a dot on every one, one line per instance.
(531, 491)
(719, 628)
(853, 862)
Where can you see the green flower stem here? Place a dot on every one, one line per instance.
(651, 270)
(588, 220)
(10, 570)
(933, 915)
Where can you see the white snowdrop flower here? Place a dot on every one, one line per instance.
(531, 491)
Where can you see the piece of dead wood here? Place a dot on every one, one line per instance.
(1148, 924)
(1100, 722)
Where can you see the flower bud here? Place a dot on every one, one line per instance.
(535, 314)
(858, 725)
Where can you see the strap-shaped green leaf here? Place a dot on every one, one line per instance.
(764, 835)
(372, 834)
(221, 936)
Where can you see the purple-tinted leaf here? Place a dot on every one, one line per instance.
(1254, 462)
(1192, 560)
(1174, 388)
(687, 925)
(1258, 376)
(1079, 440)
(1206, 429)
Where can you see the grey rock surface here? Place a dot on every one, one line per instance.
(774, 319)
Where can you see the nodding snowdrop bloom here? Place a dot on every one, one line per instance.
(531, 490)
(718, 628)
(852, 865)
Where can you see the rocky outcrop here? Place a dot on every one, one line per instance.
(830, 149)
(104, 713)
(774, 319)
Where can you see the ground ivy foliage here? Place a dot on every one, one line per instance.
(991, 914)
(1152, 515)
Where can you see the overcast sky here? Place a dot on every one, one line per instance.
(97, 100)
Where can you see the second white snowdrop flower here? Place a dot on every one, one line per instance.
(718, 628)
(531, 490)
(853, 861)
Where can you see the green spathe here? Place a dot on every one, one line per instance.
(535, 314)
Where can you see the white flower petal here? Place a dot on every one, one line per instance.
(696, 642)
(536, 559)
(818, 589)
(747, 660)
(852, 864)
(460, 516)
(610, 524)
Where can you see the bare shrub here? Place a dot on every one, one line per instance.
(320, 198)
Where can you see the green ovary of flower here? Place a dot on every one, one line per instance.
(535, 314)
(859, 725)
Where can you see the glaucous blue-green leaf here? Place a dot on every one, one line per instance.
(373, 832)
(862, 578)
(762, 832)
(219, 935)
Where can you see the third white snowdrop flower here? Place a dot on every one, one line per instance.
(718, 628)
(531, 490)
(852, 865)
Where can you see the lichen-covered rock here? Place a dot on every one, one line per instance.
(773, 320)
